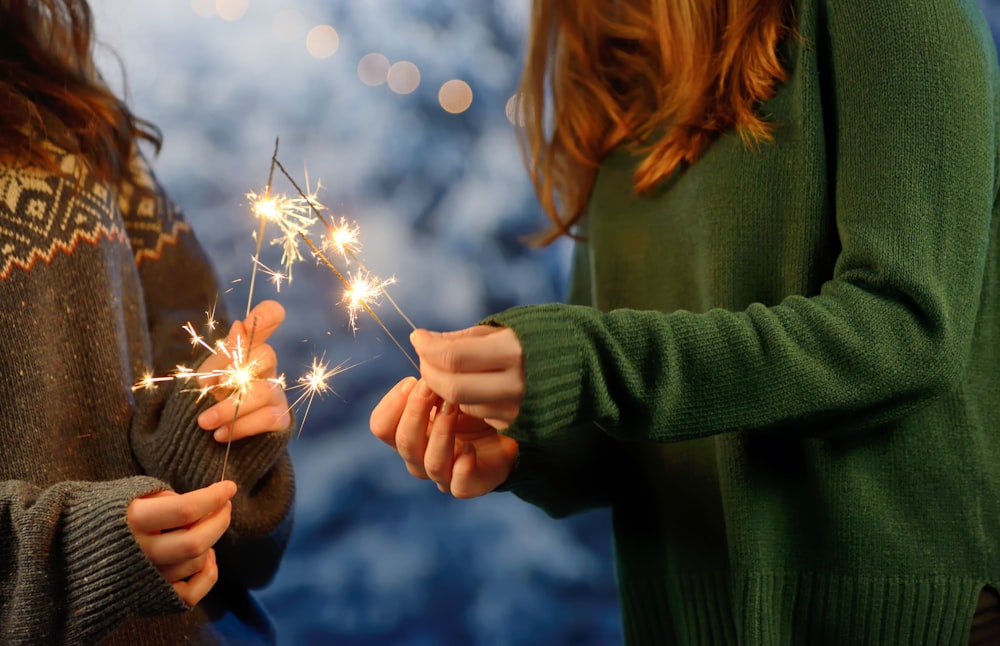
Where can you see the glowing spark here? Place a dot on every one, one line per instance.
(316, 382)
(292, 216)
(275, 276)
(362, 292)
(148, 382)
(344, 239)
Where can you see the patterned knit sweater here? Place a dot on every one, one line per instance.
(95, 284)
(784, 377)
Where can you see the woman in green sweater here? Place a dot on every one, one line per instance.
(780, 366)
(114, 527)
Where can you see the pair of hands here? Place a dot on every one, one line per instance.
(445, 426)
(177, 531)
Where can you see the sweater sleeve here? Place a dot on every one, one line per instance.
(180, 287)
(73, 570)
(914, 157)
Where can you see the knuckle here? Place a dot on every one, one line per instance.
(415, 471)
(407, 447)
(451, 359)
(188, 511)
(436, 470)
(190, 548)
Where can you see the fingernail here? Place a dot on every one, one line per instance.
(408, 385)
(423, 390)
(447, 408)
(413, 337)
(208, 420)
(222, 433)
(231, 488)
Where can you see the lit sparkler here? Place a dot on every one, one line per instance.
(295, 216)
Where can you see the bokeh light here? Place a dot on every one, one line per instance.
(288, 25)
(322, 41)
(403, 77)
(515, 111)
(231, 9)
(455, 96)
(373, 69)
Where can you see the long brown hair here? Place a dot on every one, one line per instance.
(50, 92)
(661, 77)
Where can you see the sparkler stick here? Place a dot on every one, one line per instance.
(239, 397)
(260, 232)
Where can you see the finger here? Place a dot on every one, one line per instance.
(199, 584)
(163, 512)
(171, 548)
(258, 395)
(269, 419)
(503, 412)
(385, 416)
(263, 360)
(411, 433)
(180, 571)
(480, 349)
(440, 453)
(475, 387)
(464, 473)
(264, 319)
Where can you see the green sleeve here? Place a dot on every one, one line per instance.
(913, 159)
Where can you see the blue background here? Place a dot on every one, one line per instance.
(377, 557)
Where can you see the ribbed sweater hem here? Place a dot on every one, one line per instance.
(791, 608)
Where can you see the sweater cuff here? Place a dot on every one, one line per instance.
(108, 576)
(553, 368)
(188, 457)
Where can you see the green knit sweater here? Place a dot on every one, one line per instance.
(783, 370)
(95, 286)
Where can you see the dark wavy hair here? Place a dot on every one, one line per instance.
(50, 91)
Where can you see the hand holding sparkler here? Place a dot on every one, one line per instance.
(177, 531)
(462, 455)
(244, 379)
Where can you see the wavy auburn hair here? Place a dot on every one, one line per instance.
(663, 78)
(50, 91)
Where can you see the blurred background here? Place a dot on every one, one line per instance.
(396, 113)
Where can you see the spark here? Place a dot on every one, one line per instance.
(362, 291)
(315, 383)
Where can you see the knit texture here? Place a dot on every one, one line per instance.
(782, 369)
(95, 284)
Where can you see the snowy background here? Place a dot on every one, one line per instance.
(441, 200)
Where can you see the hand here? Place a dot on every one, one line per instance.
(481, 369)
(263, 407)
(462, 454)
(177, 532)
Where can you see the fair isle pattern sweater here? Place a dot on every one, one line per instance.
(783, 368)
(95, 284)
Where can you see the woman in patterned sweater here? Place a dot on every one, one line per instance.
(113, 526)
(781, 364)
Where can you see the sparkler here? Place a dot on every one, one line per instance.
(292, 216)
(295, 216)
